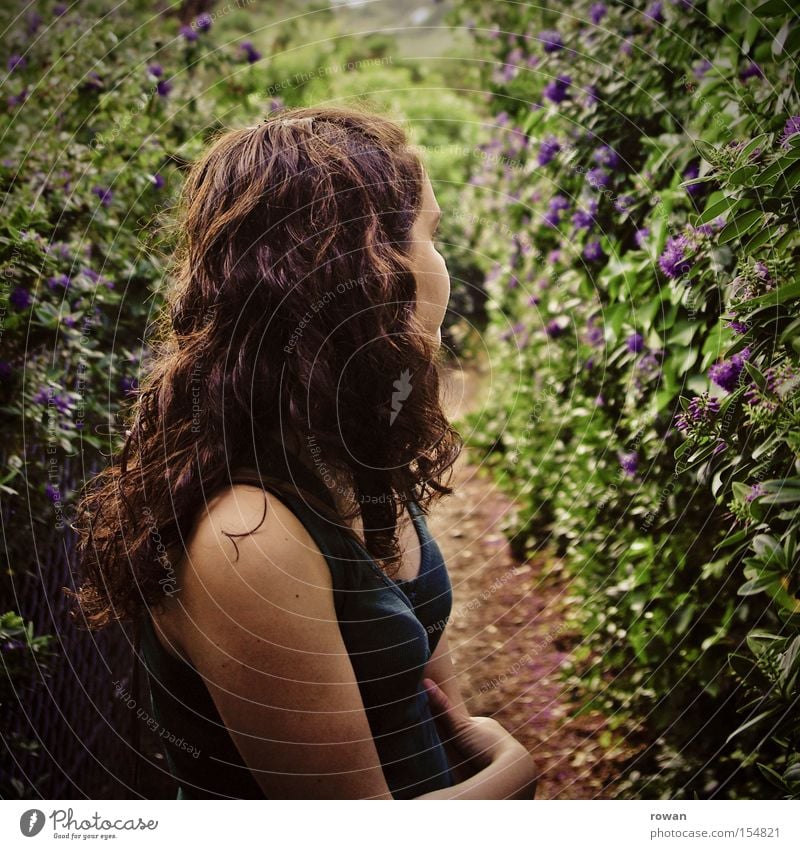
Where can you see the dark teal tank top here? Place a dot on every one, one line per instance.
(390, 629)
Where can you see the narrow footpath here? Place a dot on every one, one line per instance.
(507, 630)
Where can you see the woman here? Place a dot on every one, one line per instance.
(265, 522)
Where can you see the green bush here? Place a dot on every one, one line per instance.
(647, 159)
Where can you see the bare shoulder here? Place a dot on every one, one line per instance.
(260, 626)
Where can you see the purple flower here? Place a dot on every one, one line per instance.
(691, 171)
(128, 385)
(203, 22)
(738, 327)
(583, 219)
(59, 9)
(163, 88)
(251, 54)
(104, 193)
(553, 329)
(554, 256)
(751, 70)
(674, 262)
(558, 203)
(533, 300)
(157, 180)
(188, 33)
(551, 40)
(551, 218)
(635, 343)
(597, 178)
(640, 235)
(655, 12)
(155, 69)
(5, 371)
(34, 22)
(703, 407)
(20, 298)
(726, 373)
(597, 11)
(594, 335)
(556, 90)
(756, 491)
(16, 99)
(720, 446)
(629, 463)
(16, 61)
(593, 251)
(52, 492)
(59, 280)
(600, 401)
(547, 150)
(623, 203)
(700, 69)
(606, 155)
(792, 128)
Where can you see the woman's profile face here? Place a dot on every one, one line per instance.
(430, 270)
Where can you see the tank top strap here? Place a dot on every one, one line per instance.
(311, 502)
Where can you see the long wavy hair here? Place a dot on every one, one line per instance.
(291, 310)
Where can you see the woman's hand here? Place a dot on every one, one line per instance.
(480, 740)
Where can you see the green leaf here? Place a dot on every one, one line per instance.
(739, 226)
(772, 9)
(751, 722)
(726, 206)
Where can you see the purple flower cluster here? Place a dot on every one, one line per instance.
(584, 219)
(738, 327)
(597, 178)
(104, 193)
(547, 150)
(556, 90)
(673, 261)
(635, 343)
(251, 54)
(647, 369)
(629, 463)
(20, 298)
(655, 12)
(558, 203)
(751, 70)
(701, 411)
(554, 329)
(594, 335)
(593, 251)
(701, 68)
(597, 11)
(623, 203)
(726, 373)
(16, 62)
(551, 40)
(606, 155)
(188, 33)
(641, 235)
(792, 128)
(692, 171)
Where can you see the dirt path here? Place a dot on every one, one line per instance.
(507, 631)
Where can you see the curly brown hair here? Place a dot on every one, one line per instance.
(291, 310)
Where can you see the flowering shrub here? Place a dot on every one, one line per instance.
(102, 109)
(646, 158)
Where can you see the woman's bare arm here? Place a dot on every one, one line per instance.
(262, 630)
